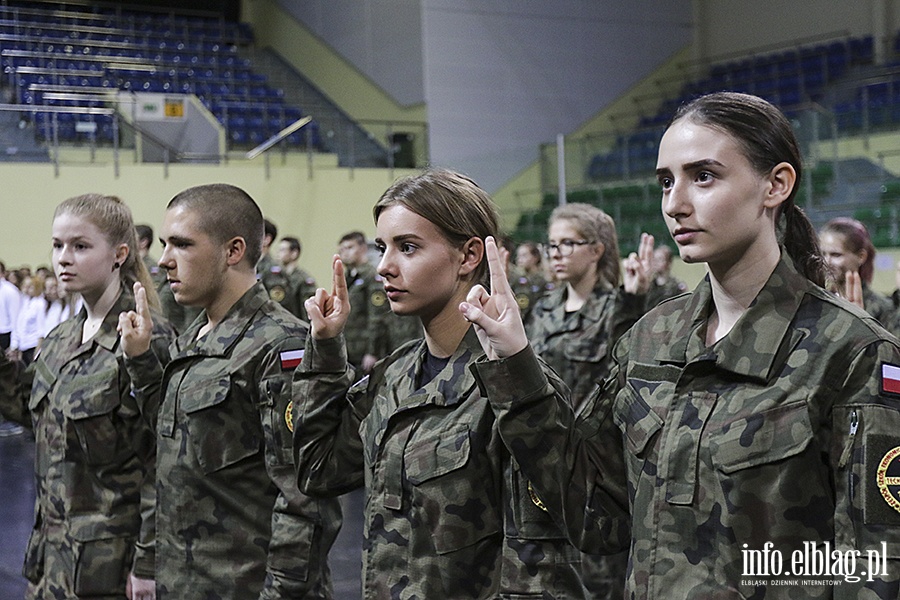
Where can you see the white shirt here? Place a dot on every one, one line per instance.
(10, 300)
(30, 325)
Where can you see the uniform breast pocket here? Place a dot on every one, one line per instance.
(769, 436)
(222, 431)
(452, 489)
(90, 409)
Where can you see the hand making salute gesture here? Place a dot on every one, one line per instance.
(758, 412)
(136, 325)
(328, 312)
(496, 314)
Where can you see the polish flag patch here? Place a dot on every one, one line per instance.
(890, 378)
(290, 359)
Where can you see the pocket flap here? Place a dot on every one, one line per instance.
(43, 382)
(437, 455)
(766, 437)
(91, 395)
(204, 394)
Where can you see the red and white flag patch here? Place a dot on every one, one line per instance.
(890, 378)
(290, 359)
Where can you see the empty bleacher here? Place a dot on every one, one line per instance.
(94, 51)
(831, 90)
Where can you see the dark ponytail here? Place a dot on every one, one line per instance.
(802, 243)
(767, 139)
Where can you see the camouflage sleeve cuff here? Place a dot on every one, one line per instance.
(325, 356)
(512, 379)
(632, 304)
(144, 370)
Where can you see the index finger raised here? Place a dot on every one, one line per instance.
(141, 306)
(339, 283)
(495, 266)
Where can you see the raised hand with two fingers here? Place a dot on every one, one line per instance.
(638, 267)
(328, 312)
(496, 316)
(136, 326)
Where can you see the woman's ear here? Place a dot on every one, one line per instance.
(121, 254)
(472, 254)
(235, 250)
(781, 179)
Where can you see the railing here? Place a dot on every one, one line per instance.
(410, 150)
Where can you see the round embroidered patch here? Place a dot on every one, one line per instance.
(888, 478)
(277, 293)
(523, 301)
(378, 298)
(289, 416)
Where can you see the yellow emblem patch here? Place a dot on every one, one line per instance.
(888, 478)
(378, 298)
(523, 301)
(289, 416)
(277, 293)
(534, 498)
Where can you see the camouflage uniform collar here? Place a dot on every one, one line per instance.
(757, 341)
(451, 386)
(108, 336)
(594, 308)
(232, 327)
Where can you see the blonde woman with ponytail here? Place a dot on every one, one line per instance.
(574, 327)
(757, 415)
(94, 524)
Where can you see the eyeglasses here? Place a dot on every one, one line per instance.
(565, 247)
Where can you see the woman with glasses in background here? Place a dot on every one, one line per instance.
(574, 327)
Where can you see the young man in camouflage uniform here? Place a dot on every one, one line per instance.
(370, 305)
(231, 522)
(287, 283)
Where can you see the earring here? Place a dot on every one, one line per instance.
(115, 265)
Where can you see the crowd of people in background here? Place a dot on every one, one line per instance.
(239, 398)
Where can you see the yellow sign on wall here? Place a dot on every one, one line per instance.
(174, 108)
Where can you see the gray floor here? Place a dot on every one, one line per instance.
(17, 502)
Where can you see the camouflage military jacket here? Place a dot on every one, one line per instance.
(290, 290)
(231, 520)
(879, 306)
(370, 308)
(663, 291)
(94, 462)
(448, 514)
(579, 345)
(785, 432)
(528, 289)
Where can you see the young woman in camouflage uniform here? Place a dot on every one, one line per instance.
(758, 413)
(850, 256)
(575, 327)
(448, 515)
(94, 529)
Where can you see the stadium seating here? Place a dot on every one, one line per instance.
(106, 49)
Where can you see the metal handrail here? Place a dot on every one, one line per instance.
(296, 125)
